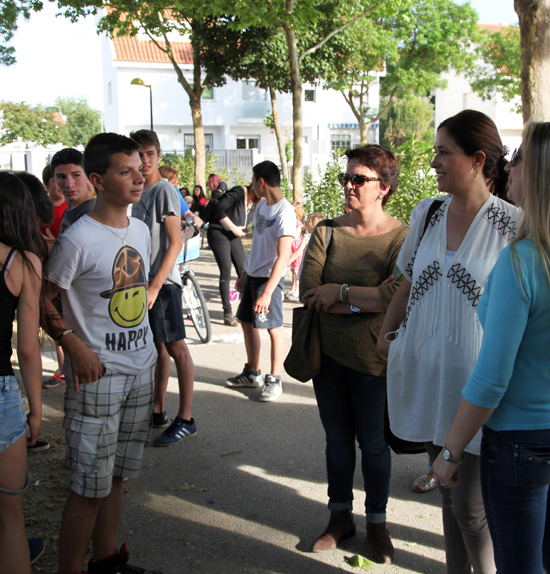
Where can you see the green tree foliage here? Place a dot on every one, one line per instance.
(405, 120)
(306, 27)
(415, 180)
(29, 124)
(417, 44)
(161, 20)
(10, 11)
(500, 73)
(323, 193)
(185, 166)
(83, 121)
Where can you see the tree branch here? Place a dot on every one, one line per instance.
(168, 51)
(384, 109)
(334, 32)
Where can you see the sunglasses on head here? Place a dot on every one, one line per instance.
(515, 157)
(356, 179)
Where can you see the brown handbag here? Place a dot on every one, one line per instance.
(303, 361)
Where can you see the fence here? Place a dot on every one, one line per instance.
(230, 158)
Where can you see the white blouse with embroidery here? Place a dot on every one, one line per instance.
(437, 345)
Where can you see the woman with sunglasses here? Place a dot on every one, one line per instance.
(347, 282)
(509, 390)
(433, 318)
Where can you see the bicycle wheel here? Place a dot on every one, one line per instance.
(194, 300)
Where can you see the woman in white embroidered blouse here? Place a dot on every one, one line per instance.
(438, 333)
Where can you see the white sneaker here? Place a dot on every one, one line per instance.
(247, 378)
(273, 388)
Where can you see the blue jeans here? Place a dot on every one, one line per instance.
(351, 405)
(515, 474)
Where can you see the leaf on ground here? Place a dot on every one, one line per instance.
(150, 464)
(186, 487)
(421, 516)
(411, 543)
(203, 489)
(359, 561)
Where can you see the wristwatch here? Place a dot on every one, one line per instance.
(447, 455)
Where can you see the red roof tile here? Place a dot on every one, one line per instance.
(495, 27)
(131, 49)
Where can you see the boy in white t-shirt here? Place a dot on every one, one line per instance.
(100, 265)
(261, 284)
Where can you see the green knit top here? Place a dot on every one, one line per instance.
(357, 261)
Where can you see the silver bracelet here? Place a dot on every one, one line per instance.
(343, 293)
(63, 334)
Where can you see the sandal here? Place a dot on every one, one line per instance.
(425, 483)
(54, 381)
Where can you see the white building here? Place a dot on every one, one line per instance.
(232, 114)
(458, 96)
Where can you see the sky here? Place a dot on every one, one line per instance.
(58, 58)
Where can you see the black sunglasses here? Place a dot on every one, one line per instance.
(356, 179)
(515, 157)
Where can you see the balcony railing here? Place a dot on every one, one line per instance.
(230, 158)
(233, 158)
(253, 109)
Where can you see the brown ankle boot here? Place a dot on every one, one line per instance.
(340, 526)
(230, 320)
(380, 542)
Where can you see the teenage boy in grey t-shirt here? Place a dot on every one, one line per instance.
(100, 266)
(160, 209)
(261, 284)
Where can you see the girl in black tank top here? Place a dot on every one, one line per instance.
(22, 250)
(7, 315)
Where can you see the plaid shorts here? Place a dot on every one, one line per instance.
(106, 427)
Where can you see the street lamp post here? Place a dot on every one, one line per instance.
(140, 82)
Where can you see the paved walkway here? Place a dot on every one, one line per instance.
(248, 493)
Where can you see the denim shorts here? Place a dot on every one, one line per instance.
(166, 316)
(252, 288)
(13, 419)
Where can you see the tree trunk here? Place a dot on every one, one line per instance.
(363, 129)
(534, 23)
(198, 131)
(296, 84)
(196, 111)
(277, 128)
(194, 93)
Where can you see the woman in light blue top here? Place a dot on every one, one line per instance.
(509, 390)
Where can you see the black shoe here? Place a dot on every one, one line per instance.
(36, 548)
(39, 446)
(117, 564)
(160, 420)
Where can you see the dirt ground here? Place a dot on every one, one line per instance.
(248, 493)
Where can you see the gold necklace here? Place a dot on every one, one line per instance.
(116, 234)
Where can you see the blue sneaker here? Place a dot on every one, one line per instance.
(36, 548)
(176, 432)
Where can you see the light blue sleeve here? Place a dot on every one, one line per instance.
(183, 204)
(506, 316)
